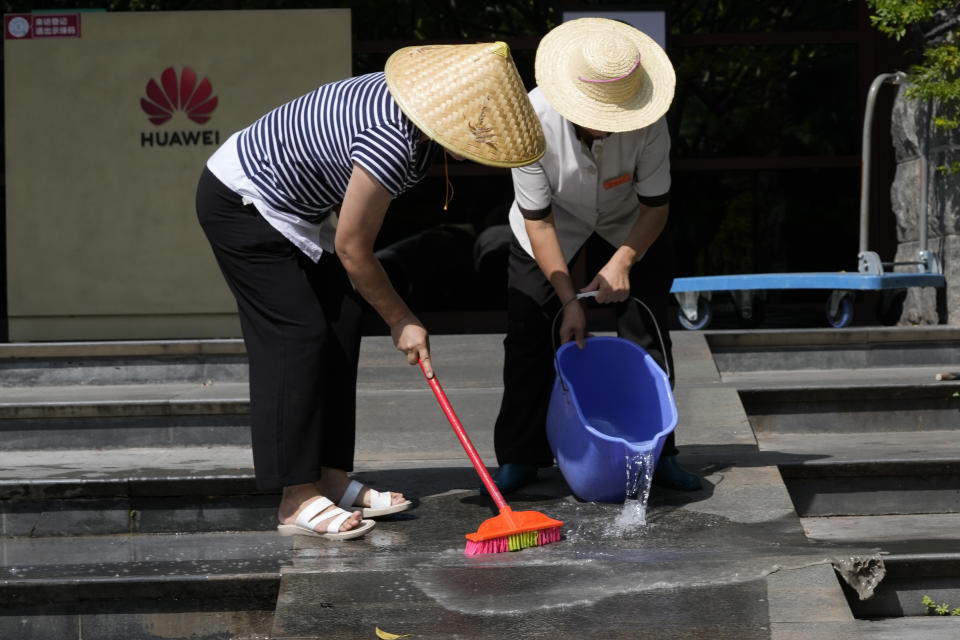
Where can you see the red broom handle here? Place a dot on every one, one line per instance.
(465, 440)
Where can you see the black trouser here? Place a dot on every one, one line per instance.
(301, 327)
(520, 432)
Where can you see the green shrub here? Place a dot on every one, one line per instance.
(937, 76)
(939, 608)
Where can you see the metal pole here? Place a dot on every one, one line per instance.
(923, 200)
(896, 78)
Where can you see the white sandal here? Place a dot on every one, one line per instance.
(303, 526)
(381, 503)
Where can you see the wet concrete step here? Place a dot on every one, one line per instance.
(193, 489)
(135, 505)
(604, 579)
(144, 586)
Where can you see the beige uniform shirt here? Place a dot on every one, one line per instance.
(590, 190)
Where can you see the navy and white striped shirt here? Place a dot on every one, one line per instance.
(300, 155)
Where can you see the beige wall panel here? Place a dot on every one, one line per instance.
(101, 228)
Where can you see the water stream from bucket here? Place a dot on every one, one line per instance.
(639, 476)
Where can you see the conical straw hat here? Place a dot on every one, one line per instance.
(470, 99)
(604, 74)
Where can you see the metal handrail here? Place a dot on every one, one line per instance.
(897, 77)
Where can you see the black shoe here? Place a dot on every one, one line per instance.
(513, 475)
(670, 475)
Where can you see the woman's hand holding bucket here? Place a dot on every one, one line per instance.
(574, 324)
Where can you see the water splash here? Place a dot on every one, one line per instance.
(639, 471)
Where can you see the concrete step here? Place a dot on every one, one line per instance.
(133, 362)
(138, 586)
(394, 426)
(190, 414)
(193, 489)
(873, 484)
(132, 415)
(909, 579)
(178, 498)
(827, 349)
(902, 533)
(736, 544)
(473, 359)
(173, 404)
(183, 556)
(860, 447)
(879, 406)
(841, 378)
(863, 431)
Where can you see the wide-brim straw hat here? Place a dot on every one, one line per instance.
(470, 99)
(604, 74)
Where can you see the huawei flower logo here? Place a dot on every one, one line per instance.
(171, 95)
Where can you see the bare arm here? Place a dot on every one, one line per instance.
(612, 283)
(549, 257)
(361, 216)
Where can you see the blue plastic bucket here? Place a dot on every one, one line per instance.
(610, 403)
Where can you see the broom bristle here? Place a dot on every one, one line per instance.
(546, 536)
(514, 542)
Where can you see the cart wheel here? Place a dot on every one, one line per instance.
(844, 314)
(704, 315)
(890, 306)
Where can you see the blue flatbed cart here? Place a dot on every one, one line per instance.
(694, 293)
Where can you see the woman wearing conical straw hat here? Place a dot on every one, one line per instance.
(265, 201)
(603, 186)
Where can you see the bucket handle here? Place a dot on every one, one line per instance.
(593, 294)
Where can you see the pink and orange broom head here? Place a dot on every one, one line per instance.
(511, 530)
